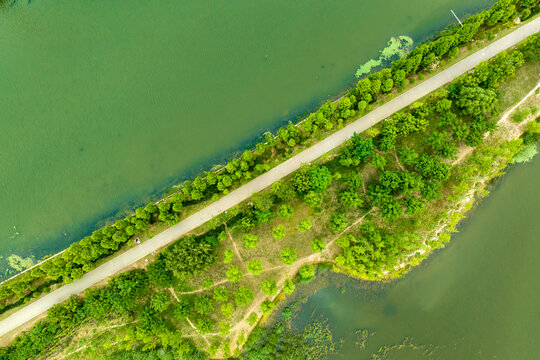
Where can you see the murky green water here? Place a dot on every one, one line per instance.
(475, 299)
(106, 103)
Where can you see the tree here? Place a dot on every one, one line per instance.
(432, 168)
(338, 222)
(228, 256)
(160, 302)
(250, 241)
(531, 47)
(243, 296)
(378, 161)
(233, 273)
(414, 205)
(269, 287)
(285, 211)
(306, 273)
(158, 274)
(387, 85)
(304, 225)
(476, 101)
(288, 287)
(313, 199)
(267, 306)
(350, 199)
(302, 180)
(353, 180)
(188, 257)
(407, 156)
(182, 309)
(442, 144)
(320, 179)
(202, 305)
(255, 267)
(399, 78)
(317, 245)
(283, 191)
(390, 208)
(208, 283)
(221, 294)
(246, 224)
(288, 256)
(361, 148)
(460, 130)
(262, 202)
(166, 215)
(278, 232)
(431, 190)
(205, 325)
(227, 310)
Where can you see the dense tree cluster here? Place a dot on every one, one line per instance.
(368, 254)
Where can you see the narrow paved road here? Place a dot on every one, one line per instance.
(168, 236)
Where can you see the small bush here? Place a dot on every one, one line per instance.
(267, 306)
(304, 225)
(243, 296)
(228, 256)
(288, 287)
(221, 294)
(250, 241)
(306, 273)
(278, 232)
(285, 211)
(317, 245)
(288, 256)
(255, 267)
(234, 274)
(520, 115)
(269, 287)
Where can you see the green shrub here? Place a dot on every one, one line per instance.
(520, 115)
(234, 274)
(243, 296)
(317, 245)
(278, 232)
(228, 256)
(288, 287)
(255, 267)
(269, 287)
(288, 256)
(250, 241)
(285, 211)
(267, 306)
(306, 273)
(221, 294)
(304, 225)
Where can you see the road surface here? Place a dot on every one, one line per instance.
(170, 235)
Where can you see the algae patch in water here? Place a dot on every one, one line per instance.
(526, 154)
(397, 47)
(18, 263)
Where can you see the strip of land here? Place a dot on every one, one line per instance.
(170, 235)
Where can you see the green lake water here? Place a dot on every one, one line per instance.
(478, 298)
(105, 104)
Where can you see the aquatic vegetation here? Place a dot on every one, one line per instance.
(18, 263)
(396, 48)
(406, 345)
(362, 336)
(526, 154)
